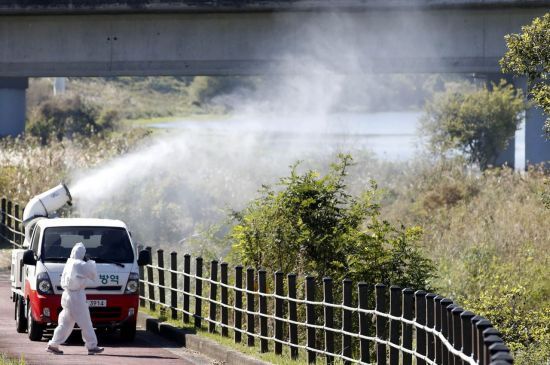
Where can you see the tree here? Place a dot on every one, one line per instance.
(68, 116)
(529, 55)
(312, 225)
(476, 121)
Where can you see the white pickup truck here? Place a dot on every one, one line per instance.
(36, 268)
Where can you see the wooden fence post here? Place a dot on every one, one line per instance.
(225, 301)
(444, 303)
(17, 226)
(141, 284)
(262, 289)
(238, 314)
(279, 309)
(150, 280)
(381, 323)
(198, 292)
(475, 353)
(162, 292)
(491, 331)
(395, 310)
(311, 319)
(450, 327)
(9, 222)
(292, 315)
(213, 296)
(430, 322)
(437, 321)
(174, 284)
(466, 318)
(457, 331)
(407, 328)
(186, 286)
(420, 303)
(364, 327)
(347, 296)
(482, 325)
(329, 320)
(489, 341)
(250, 305)
(3, 207)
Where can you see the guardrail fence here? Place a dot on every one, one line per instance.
(290, 314)
(404, 327)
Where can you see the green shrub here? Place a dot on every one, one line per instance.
(524, 325)
(65, 117)
(312, 225)
(477, 122)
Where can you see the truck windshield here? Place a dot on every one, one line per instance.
(104, 244)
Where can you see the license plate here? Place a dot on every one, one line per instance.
(97, 303)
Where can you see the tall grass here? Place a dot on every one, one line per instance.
(5, 360)
(27, 167)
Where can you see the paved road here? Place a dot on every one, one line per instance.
(146, 349)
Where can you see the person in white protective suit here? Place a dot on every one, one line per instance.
(77, 274)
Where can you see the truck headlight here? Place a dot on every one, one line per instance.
(133, 283)
(43, 283)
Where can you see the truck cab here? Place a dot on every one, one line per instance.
(36, 274)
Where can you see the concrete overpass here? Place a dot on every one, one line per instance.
(230, 37)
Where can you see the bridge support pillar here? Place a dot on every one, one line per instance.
(537, 146)
(12, 105)
(59, 85)
(508, 156)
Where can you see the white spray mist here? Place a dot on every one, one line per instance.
(184, 180)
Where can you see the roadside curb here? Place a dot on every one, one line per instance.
(194, 342)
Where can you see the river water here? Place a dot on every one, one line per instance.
(389, 135)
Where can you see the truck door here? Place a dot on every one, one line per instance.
(29, 271)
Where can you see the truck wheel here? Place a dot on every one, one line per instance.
(20, 320)
(36, 330)
(128, 331)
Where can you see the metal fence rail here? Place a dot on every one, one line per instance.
(11, 224)
(416, 327)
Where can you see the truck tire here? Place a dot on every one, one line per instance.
(36, 330)
(128, 331)
(20, 319)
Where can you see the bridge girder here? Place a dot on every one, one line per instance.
(376, 40)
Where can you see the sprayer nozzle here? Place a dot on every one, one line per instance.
(68, 193)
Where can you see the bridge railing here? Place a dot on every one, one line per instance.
(299, 316)
(11, 223)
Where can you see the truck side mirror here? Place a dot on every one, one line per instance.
(28, 258)
(144, 258)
